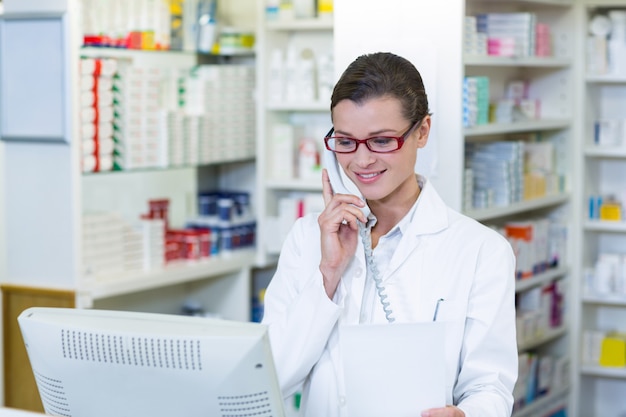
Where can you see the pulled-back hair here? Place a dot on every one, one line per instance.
(383, 74)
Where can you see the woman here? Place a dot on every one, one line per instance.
(423, 251)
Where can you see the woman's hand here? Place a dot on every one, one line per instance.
(339, 233)
(448, 411)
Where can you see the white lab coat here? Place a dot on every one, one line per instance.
(443, 254)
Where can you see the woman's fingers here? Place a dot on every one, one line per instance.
(327, 188)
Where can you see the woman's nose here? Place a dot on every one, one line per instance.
(363, 157)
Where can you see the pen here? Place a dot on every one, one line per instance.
(437, 309)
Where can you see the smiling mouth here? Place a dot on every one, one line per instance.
(370, 175)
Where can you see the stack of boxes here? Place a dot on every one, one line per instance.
(103, 244)
(227, 218)
(175, 137)
(539, 310)
(475, 101)
(219, 115)
(543, 40)
(142, 117)
(498, 172)
(508, 34)
(608, 276)
(475, 42)
(97, 114)
(110, 246)
(504, 172)
(538, 376)
(113, 247)
(138, 142)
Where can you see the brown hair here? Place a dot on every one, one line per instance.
(383, 74)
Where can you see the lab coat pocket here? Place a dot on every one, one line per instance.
(453, 314)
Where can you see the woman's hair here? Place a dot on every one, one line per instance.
(383, 74)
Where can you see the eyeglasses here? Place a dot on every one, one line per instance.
(378, 144)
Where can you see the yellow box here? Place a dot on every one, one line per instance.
(613, 352)
(611, 212)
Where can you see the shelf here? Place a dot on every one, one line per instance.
(538, 406)
(287, 107)
(605, 152)
(95, 52)
(608, 300)
(172, 274)
(504, 61)
(562, 3)
(222, 161)
(517, 127)
(517, 208)
(300, 24)
(606, 79)
(295, 184)
(604, 3)
(605, 226)
(540, 279)
(549, 335)
(603, 371)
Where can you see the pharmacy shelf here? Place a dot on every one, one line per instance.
(604, 3)
(540, 279)
(298, 107)
(605, 152)
(538, 406)
(563, 3)
(123, 53)
(605, 300)
(548, 336)
(517, 208)
(179, 272)
(603, 371)
(532, 61)
(323, 24)
(604, 226)
(295, 184)
(223, 161)
(517, 127)
(606, 79)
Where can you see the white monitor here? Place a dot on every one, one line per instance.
(97, 363)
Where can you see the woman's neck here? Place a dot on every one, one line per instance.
(390, 210)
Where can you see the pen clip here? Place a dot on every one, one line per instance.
(437, 308)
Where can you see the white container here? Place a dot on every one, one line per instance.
(304, 9)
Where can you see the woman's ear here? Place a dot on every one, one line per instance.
(423, 131)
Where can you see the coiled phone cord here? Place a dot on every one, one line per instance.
(366, 236)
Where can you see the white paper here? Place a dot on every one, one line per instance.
(393, 369)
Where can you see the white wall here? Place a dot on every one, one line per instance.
(424, 33)
(2, 222)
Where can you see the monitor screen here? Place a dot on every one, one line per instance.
(99, 363)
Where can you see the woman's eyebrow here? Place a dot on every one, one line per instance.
(371, 134)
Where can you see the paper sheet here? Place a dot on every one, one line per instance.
(393, 370)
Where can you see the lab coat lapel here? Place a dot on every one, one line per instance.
(430, 217)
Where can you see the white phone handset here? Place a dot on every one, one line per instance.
(339, 180)
(342, 184)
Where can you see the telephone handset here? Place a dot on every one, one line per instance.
(342, 184)
(338, 179)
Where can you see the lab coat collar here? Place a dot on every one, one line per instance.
(430, 214)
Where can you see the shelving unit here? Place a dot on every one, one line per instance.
(311, 116)
(50, 194)
(550, 79)
(602, 172)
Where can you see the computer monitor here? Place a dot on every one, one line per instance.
(98, 363)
